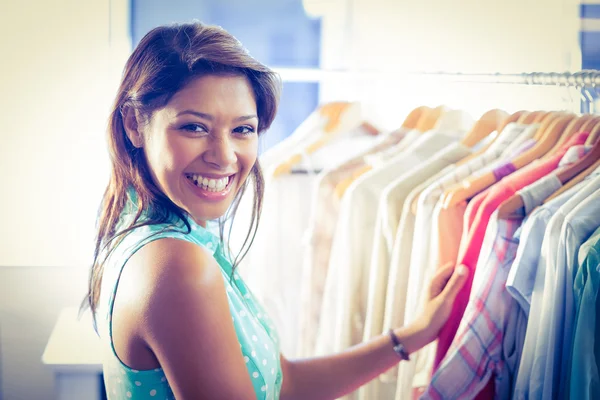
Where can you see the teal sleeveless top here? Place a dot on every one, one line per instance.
(256, 335)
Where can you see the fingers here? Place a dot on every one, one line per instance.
(445, 272)
(456, 282)
(440, 279)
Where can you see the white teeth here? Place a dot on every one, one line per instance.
(212, 185)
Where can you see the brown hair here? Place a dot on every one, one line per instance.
(164, 61)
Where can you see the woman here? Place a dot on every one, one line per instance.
(178, 322)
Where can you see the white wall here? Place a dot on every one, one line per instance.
(468, 36)
(57, 81)
(60, 64)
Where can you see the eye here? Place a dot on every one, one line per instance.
(245, 130)
(194, 128)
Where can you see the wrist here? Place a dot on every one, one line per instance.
(413, 337)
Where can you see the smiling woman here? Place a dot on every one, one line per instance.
(174, 317)
(183, 142)
(202, 145)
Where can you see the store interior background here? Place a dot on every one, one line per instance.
(62, 61)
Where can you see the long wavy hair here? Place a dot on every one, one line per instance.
(164, 61)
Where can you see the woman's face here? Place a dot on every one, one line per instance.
(203, 144)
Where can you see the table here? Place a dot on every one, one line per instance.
(73, 352)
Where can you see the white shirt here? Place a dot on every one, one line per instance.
(274, 265)
(345, 296)
(393, 196)
(414, 252)
(538, 363)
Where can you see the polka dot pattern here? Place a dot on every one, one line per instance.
(257, 338)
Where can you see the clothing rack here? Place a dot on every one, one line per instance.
(581, 79)
(585, 80)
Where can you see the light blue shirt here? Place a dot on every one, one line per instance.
(542, 374)
(585, 379)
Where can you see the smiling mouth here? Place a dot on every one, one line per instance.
(209, 184)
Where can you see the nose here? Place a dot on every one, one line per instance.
(220, 152)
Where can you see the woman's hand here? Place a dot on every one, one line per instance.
(442, 291)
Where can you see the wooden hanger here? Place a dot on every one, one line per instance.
(514, 117)
(489, 179)
(574, 181)
(514, 208)
(542, 116)
(511, 118)
(572, 128)
(529, 118)
(569, 172)
(334, 112)
(594, 134)
(488, 123)
(495, 117)
(470, 187)
(590, 124)
(411, 120)
(429, 120)
(503, 119)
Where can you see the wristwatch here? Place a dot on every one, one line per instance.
(399, 347)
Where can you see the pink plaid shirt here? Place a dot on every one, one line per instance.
(476, 353)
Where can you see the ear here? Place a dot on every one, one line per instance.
(132, 128)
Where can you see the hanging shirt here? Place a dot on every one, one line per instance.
(585, 379)
(416, 252)
(319, 236)
(500, 170)
(498, 193)
(553, 349)
(531, 382)
(521, 279)
(476, 353)
(345, 297)
(393, 196)
(490, 337)
(444, 244)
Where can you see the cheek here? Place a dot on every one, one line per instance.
(165, 157)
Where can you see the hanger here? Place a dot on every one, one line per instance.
(572, 128)
(513, 208)
(529, 118)
(589, 126)
(574, 181)
(502, 120)
(340, 118)
(429, 120)
(488, 123)
(581, 175)
(411, 120)
(514, 117)
(510, 118)
(475, 184)
(594, 134)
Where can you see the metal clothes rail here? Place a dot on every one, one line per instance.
(581, 79)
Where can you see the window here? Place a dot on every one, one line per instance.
(278, 33)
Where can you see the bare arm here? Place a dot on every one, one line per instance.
(187, 322)
(330, 377)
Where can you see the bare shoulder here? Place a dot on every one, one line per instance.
(181, 303)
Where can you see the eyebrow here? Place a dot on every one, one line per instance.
(211, 118)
